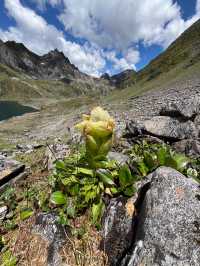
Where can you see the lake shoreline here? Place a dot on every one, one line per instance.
(10, 109)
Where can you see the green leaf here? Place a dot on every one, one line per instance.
(130, 191)
(181, 161)
(150, 160)
(114, 190)
(69, 180)
(143, 168)
(74, 190)
(100, 157)
(105, 147)
(97, 211)
(71, 212)
(60, 165)
(125, 177)
(58, 198)
(105, 176)
(26, 213)
(8, 259)
(84, 171)
(161, 155)
(170, 162)
(91, 144)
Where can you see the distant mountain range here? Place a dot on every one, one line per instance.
(39, 74)
(53, 65)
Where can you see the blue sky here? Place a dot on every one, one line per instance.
(98, 36)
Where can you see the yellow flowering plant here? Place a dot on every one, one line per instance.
(84, 178)
(97, 129)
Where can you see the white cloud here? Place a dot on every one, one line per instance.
(118, 24)
(128, 61)
(41, 4)
(198, 7)
(40, 37)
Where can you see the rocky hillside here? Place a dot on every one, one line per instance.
(158, 138)
(182, 54)
(27, 75)
(51, 66)
(121, 80)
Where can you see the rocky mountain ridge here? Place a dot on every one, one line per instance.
(53, 65)
(182, 53)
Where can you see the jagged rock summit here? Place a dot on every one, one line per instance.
(53, 65)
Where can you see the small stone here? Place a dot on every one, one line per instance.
(119, 157)
(3, 212)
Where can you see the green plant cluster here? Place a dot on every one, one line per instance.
(147, 157)
(78, 187)
(6, 257)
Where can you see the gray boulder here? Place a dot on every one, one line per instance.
(48, 227)
(10, 170)
(190, 147)
(170, 128)
(168, 231)
(117, 229)
(186, 108)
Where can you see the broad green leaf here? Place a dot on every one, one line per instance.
(84, 171)
(58, 198)
(170, 162)
(114, 190)
(125, 177)
(181, 161)
(91, 144)
(161, 154)
(143, 168)
(150, 160)
(130, 191)
(105, 147)
(26, 213)
(74, 190)
(91, 195)
(97, 211)
(60, 165)
(100, 158)
(69, 180)
(101, 185)
(105, 176)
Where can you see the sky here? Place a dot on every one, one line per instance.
(98, 36)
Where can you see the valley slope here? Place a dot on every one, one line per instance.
(62, 92)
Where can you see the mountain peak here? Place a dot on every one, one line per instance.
(53, 65)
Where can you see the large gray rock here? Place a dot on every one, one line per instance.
(10, 170)
(168, 230)
(188, 146)
(117, 229)
(170, 128)
(187, 108)
(48, 227)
